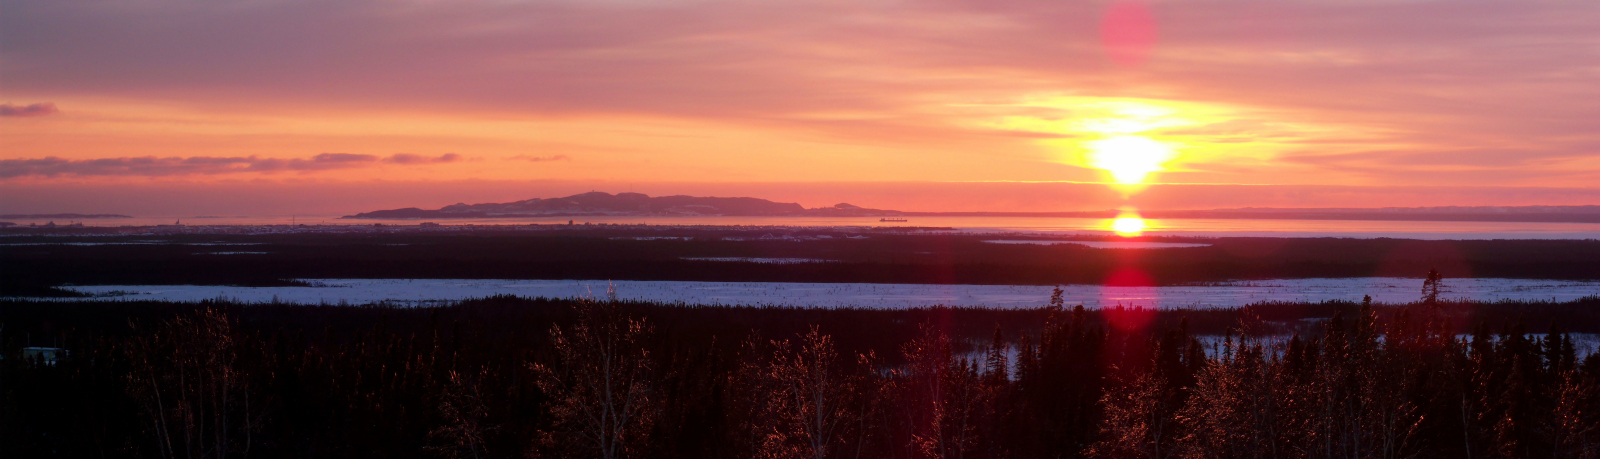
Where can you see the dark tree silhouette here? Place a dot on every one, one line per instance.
(617, 379)
(188, 382)
(1431, 286)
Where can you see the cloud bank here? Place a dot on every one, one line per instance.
(258, 197)
(151, 166)
(39, 109)
(407, 158)
(1310, 93)
(537, 159)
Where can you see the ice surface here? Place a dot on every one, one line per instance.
(771, 261)
(1105, 244)
(1211, 295)
(130, 243)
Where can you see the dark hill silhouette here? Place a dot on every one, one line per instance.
(63, 216)
(600, 203)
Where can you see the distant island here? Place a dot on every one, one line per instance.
(637, 204)
(62, 216)
(624, 204)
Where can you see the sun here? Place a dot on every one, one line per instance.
(1128, 225)
(1128, 158)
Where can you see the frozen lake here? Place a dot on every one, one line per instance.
(1225, 294)
(1105, 244)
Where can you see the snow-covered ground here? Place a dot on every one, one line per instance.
(1583, 343)
(1223, 294)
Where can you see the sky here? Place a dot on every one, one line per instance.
(258, 106)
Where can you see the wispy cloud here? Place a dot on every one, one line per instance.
(407, 158)
(536, 159)
(151, 166)
(39, 109)
(1433, 86)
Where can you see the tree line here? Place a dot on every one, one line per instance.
(32, 264)
(513, 377)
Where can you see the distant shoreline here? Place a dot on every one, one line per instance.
(1530, 217)
(62, 216)
(601, 204)
(1415, 216)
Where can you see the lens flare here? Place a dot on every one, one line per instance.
(1128, 31)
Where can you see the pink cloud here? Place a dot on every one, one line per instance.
(39, 109)
(257, 197)
(536, 159)
(151, 166)
(407, 158)
(1457, 93)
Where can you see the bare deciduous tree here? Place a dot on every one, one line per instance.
(188, 384)
(600, 383)
(807, 403)
(945, 397)
(1139, 422)
(462, 406)
(1573, 433)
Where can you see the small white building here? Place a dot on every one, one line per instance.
(47, 355)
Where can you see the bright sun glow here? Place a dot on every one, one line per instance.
(1129, 158)
(1131, 144)
(1128, 225)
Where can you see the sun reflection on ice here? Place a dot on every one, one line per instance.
(1128, 224)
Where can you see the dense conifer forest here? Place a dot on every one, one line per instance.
(29, 263)
(515, 377)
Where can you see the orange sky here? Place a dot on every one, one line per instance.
(912, 104)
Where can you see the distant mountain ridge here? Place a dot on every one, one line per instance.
(637, 204)
(601, 203)
(63, 216)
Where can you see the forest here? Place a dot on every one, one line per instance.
(30, 264)
(595, 377)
